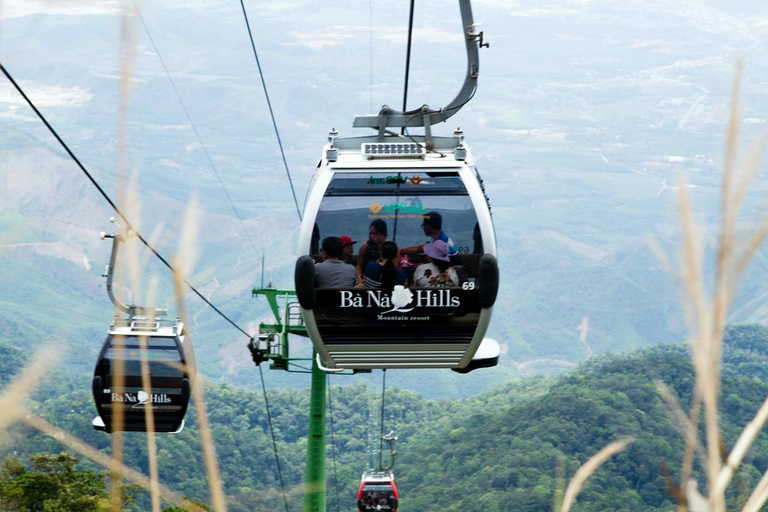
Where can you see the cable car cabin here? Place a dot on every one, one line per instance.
(396, 191)
(377, 492)
(168, 360)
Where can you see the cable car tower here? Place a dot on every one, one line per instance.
(418, 186)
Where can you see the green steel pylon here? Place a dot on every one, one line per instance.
(289, 321)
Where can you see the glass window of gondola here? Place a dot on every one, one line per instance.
(354, 200)
(401, 199)
(162, 354)
(378, 497)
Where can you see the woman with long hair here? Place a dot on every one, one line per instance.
(383, 273)
(369, 250)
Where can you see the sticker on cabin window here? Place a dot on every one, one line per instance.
(388, 180)
(400, 210)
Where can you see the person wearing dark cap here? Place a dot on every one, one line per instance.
(332, 272)
(347, 249)
(437, 272)
(432, 225)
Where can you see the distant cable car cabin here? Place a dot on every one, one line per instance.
(378, 492)
(405, 189)
(168, 376)
(141, 334)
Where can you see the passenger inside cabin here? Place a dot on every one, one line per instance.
(383, 273)
(332, 272)
(432, 225)
(347, 249)
(369, 250)
(437, 272)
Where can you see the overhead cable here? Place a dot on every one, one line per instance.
(111, 203)
(271, 112)
(194, 128)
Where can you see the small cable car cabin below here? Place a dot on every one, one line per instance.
(433, 206)
(377, 492)
(168, 364)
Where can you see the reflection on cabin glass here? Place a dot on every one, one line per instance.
(397, 284)
(162, 356)
(407, 209)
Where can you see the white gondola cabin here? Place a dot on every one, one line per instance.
(420, 323)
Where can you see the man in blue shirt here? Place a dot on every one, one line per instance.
(433, 228)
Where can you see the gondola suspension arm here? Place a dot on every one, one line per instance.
(424, 116)
(109, 273)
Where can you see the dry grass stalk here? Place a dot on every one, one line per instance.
(12, 404)
(559, 483)
(687, 425)
(95, 455)
(691, 440)
(707, 319)
(18, 391)
(739, 450)
(759, 495)
(149, 411)
(117, 438)
(183, 264)
(586, 470)
(128, 39)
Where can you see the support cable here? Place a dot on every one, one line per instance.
(112, 204)
(274, 443)
(333, 441)
(194, 128)
(408, 61)
(383, 391)
(271, 112)
(370, 47)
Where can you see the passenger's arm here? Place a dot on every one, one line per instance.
(359, 262)
(414, 249)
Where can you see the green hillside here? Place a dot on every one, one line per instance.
(508, 449)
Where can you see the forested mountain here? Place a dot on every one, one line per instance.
(508, 449)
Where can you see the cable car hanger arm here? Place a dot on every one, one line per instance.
(130, 309)
(424, 116)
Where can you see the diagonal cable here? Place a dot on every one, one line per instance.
(333, 441)
(111, 203)
(271, 112)
(272, 432)
(194, 128)
(383, 393)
